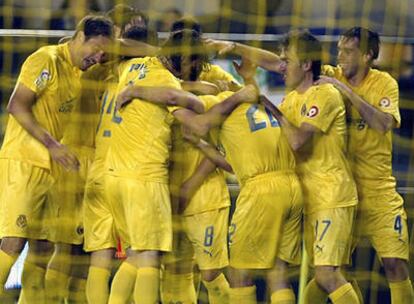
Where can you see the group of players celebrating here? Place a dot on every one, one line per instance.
(114, 144)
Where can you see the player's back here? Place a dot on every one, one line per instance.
(140, 142)
(254, 143)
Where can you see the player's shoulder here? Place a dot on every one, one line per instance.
(381, 78)
(44, 53)
(325, 90)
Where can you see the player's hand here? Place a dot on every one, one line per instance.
(221, 46)
(246, 69)
(123, 98)
(200, 87)
(326, 79)
(249, 94)
(189, 135)
(64, 157)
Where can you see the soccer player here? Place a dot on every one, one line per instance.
(372, 100)
(41, 102)
(313, 119)
(204, 221)
(137, 175)
(264, 165)
(69, 260)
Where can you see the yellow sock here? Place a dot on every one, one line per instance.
(218, 290)
(401, 292)
(245, 295)
(344, 295)
(33, 284)
(77, 290)
(178, 288)
(6, 263)
(123, 284)
(314, 294)
(147, 285)
(97, 288)
(56, 286)
(283, 296)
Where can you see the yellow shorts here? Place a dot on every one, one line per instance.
(267, 222)
(386, 228)
(207, 233)
(23, 206)
(141, 211)
(328, 236)
(98, 219)
(66, 201)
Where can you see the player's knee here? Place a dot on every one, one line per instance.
(239, 278)
(148, 258)
(395, 269)
(329, 278)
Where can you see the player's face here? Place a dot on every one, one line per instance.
(92, 52)
(293, 74)
(350, 57)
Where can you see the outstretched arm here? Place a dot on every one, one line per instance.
(160, 95)
(375, 118)
(132, 48)
(214, 117)
(261, 57)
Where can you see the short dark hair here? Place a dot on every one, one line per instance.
(141, 33)
(95, 25)
(186, 23)
(368, 41)
(186, 43)
(122, 14)
(308, 47)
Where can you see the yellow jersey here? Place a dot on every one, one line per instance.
(50, 74)
(370, 152)
(185, 159)
(215, 73)
(254, 143)
(141, 133)
(321, 163)
(81, 128)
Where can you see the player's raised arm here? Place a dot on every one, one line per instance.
(265, 59)
(375, 118)
(20, 107)
(160, 95)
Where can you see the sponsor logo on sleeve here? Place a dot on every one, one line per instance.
(313, 111)
(42, 79)
(385, 102)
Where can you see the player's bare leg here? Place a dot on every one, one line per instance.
(330, 279)
(397, 273)
(34, 270)
(242, 288)
(278, 282)
(10, 248)
(147, 282)
(57, 274)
